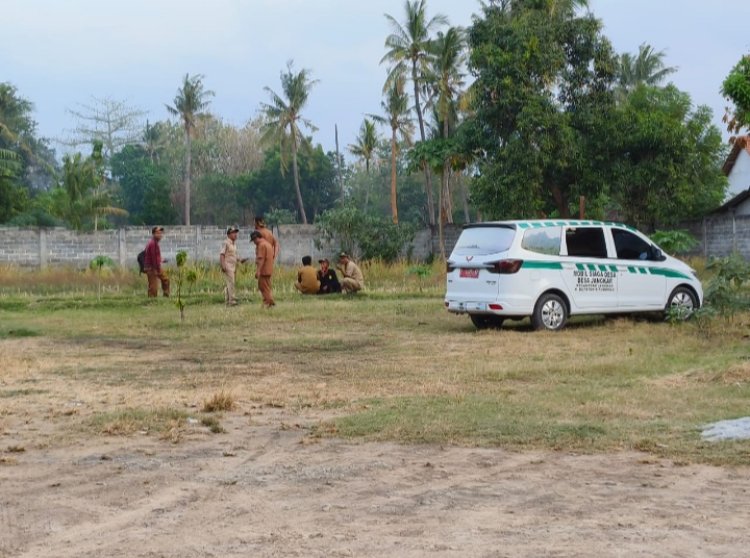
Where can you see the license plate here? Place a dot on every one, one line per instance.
(469, 273)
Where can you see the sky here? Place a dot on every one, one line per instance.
(61, 53)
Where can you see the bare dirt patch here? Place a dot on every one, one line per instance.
(265, 488)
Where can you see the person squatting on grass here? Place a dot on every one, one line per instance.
(352, 280)
(307, 278)
(264, 267)
(228, 259)
(152, 264)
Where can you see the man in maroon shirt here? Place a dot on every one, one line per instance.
(152, 265)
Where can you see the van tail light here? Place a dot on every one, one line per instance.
(449, 267)
(494, 306)
(506, 266)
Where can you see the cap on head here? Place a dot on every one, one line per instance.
(157, 229)
(343, 255)
(232, 229)
(255, 234)
(324, 260)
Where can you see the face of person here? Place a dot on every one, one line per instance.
(158, 234)
(233, 235)
(324, 266)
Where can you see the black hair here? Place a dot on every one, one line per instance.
(306, 260)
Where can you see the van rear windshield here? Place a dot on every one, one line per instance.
(478, 241)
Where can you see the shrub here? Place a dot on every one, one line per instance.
(366, 236)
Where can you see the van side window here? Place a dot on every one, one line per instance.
(630, 246)
(544, 241)
(586, 241)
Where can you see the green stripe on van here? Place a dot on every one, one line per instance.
(669, 273)
(541, 265)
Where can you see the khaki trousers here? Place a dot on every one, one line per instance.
(264, 286)
(154, 278)
(349, 285)
(229, 285)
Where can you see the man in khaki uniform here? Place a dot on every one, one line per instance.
(307, 278)
(264, 267)
(352, 280)
(228, 259)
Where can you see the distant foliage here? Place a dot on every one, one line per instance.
(364, 235)
(675, 242)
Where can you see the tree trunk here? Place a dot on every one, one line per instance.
(394, 204)
(426, 167)
(295, 170)
(446, 205)
(464, 198)
(188, 170)
(560, 201)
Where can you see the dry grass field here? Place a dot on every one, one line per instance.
(357, 426)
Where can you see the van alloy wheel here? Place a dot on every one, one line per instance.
(550, 313)
(682, 303)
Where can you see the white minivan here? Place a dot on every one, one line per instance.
(551, 269)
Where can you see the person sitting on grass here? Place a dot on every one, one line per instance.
(307, 278)
(353, 280)
(329, 282)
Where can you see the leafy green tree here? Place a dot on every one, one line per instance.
(369, 236)
(84, 199)
(189, 103)
(283, 119)
(670, 158)
(143, 186)
(12, 198)
(396, 109)
(268, 189)
(736, 88)
(541, 111)
(408, 53)
(37, 165)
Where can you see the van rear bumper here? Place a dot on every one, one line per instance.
(495, 307)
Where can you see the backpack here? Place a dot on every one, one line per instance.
(141, 257)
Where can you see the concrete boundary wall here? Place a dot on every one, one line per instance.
(722, 235)
(41, 247)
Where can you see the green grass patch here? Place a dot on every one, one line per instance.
(18, 332)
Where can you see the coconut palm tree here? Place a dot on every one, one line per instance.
(189, 103)
(366, 142)
(283, 118)
(408, 52)
(447, 67)
(647, 68)
(396, 109)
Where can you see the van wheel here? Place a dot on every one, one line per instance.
(484, 321)
(550, 313)
(681, 304)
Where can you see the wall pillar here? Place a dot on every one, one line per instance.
(42, 247)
